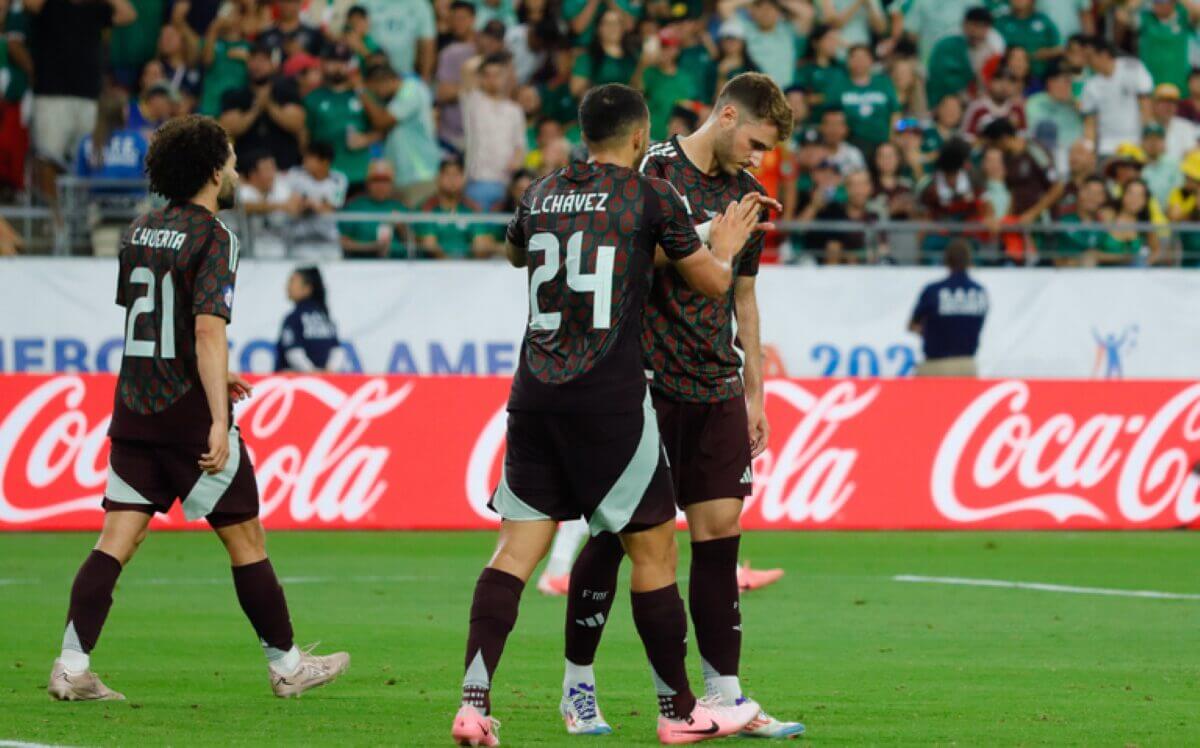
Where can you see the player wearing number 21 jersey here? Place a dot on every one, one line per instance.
(172, 428)
(582, 436)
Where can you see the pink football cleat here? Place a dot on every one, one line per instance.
(474, 729)
(755, 579)
(708, 720)
(554, 585)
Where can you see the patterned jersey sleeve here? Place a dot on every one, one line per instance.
(516, 234)
(750, 256)
(212, 292)
(673, 226)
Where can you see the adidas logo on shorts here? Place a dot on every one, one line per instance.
(748, 476)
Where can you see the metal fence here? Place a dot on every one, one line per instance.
(91, 214)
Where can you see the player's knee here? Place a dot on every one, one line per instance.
(655, 549)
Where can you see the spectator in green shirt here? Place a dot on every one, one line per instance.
(953, 64)
(868, 100)
(823, 71)
(358, 35)
(1091, 213)
(334, 114)
(1164, 29)
(132, 46)
(1026, 27)
(947, 122)
(459, 240)
(612, 56)
(1053, 117)
(226, 52)
(660, 78)
(373, 239)
(583, 17)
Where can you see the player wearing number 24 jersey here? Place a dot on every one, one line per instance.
(582, 437)
(172, 428)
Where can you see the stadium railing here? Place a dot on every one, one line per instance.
(91, 213)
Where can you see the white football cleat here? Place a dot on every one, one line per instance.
(580, 712)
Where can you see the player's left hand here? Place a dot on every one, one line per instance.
(760, 430)
(239, 389)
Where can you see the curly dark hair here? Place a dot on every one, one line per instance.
(184, 154)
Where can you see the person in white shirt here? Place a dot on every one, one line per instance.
(1116, 99)
(269, 205)
(322, 191)
(834, 131)
(494, 126)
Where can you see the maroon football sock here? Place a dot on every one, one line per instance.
(261, 596)
(91, 599)
(493, 615)
(662, 624)
(713, 603)
(590, 597)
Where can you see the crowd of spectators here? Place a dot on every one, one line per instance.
(1003, 114)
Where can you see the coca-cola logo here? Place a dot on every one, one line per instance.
(328, 473)
(995, 449)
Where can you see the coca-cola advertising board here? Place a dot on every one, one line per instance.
(356, 452)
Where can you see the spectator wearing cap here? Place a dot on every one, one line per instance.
(1054, 119)
(799, 178)
(449, 74)
(845, 247)
(403, 109)
(858, 20)
(357, 35)
(1024, 26)
(406, 31)
(373, 239)
(1031, 175)
(949, 317)
(824, 187)
(1183, 205)
(153, 108)
(457, 240)
(266, 114)
(834, 133)
(290, 34)
(1115, 100)
(1002, 101)
(868, 100)
(1124, 168)
(907, 137)
(611, 57)
(322, 190)
(334, 114)
(305, 71)
(1091, 213)
(664, 84)
(1164, 31)
(269, 205)
(773, 40)
(495, 128)
(958, 59)
(1180, 133)
(224, 58)
(732, 58)
(1161, 170)
(67, 49)
(1071, 17)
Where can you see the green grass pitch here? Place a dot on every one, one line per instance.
(860, 658)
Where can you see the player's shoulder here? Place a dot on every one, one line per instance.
(660, 157)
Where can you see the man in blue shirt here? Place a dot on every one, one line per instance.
(949, 316)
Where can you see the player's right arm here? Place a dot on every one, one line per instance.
(515, 239)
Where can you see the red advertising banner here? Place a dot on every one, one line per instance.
(424, 453)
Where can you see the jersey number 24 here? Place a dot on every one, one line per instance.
(599, 283)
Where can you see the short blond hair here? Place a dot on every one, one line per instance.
(757, 97)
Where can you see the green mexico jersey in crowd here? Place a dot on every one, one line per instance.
(869, 108)
(331, 114)
(13, 80)
(1076, 242)
(605, 70)
(1034, 32)
(820, 81)
(455, 239)
(368, 231)
(136, 44)
(225, 74)
(663, 90)
(572, 8)
(1163, 47)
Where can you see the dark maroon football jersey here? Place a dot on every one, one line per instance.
(590, 231)
(175, 262)
(688, 339)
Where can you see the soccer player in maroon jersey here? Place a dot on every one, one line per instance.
(172, 426)
(710, 408)
(582, 436)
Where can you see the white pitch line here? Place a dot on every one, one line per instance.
(19, 744)
(1043, 587)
